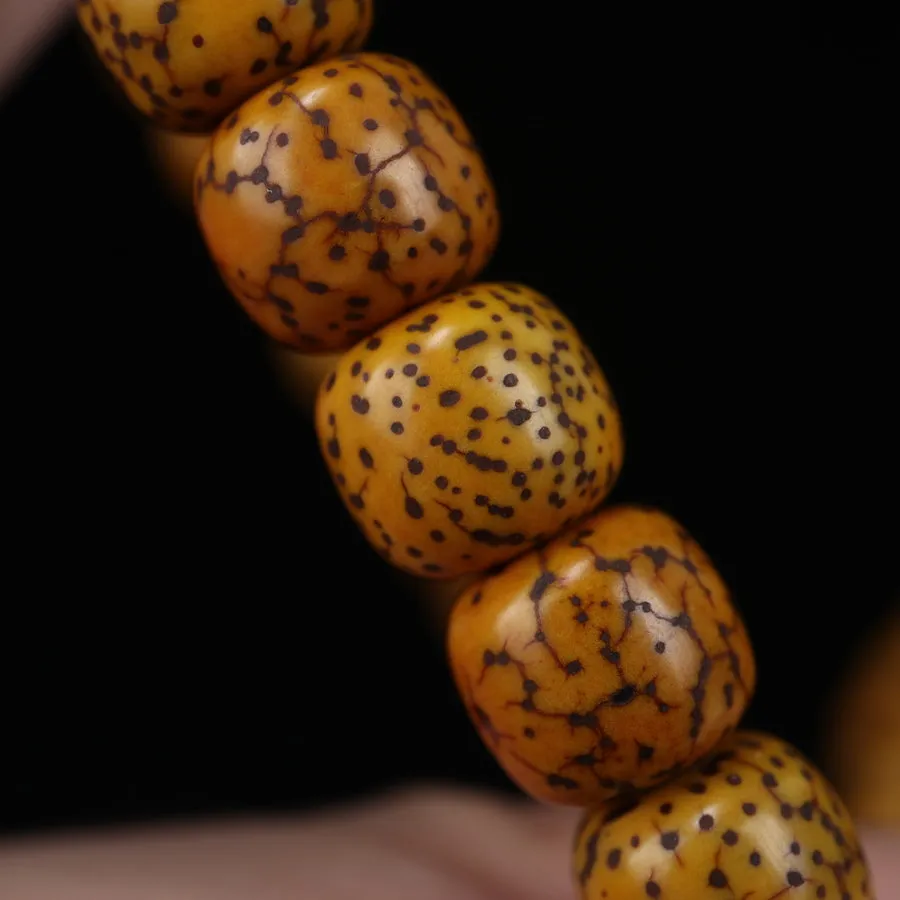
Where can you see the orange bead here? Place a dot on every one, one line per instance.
(341, 196)
(605, 662)
(469, 429)
(756, 820)
(189, 64)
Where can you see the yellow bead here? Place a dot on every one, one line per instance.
(756, 820)
(469, 429)
(341, 196)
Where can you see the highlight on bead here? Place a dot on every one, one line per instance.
(341, 196)
(189, 64)
(469, 429)
(755, 819)
(605, 662)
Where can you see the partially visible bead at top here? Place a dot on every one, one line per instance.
(188, 64)
(342, 195)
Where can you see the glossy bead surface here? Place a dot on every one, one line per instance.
(606, 662)
(189, 64)
(469, 429)
(342, 195)
(755, 821)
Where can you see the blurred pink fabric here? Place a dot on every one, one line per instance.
(25, 27)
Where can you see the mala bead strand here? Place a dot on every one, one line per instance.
(605, 666)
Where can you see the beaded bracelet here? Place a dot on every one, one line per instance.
(471, 432)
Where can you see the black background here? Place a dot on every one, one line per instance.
(190, 622)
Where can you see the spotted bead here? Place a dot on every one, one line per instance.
(755, 820)
(605, 662)
(340, 197)
(469, 429)
(187, 65)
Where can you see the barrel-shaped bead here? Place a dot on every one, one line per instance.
(469, 429)
(606, 662)
(189, 64)
(755, 819)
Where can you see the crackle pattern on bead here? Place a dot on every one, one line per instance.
(187, 65)
(469, 429)
(755, 820)
(607, 661)
(343, 195)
